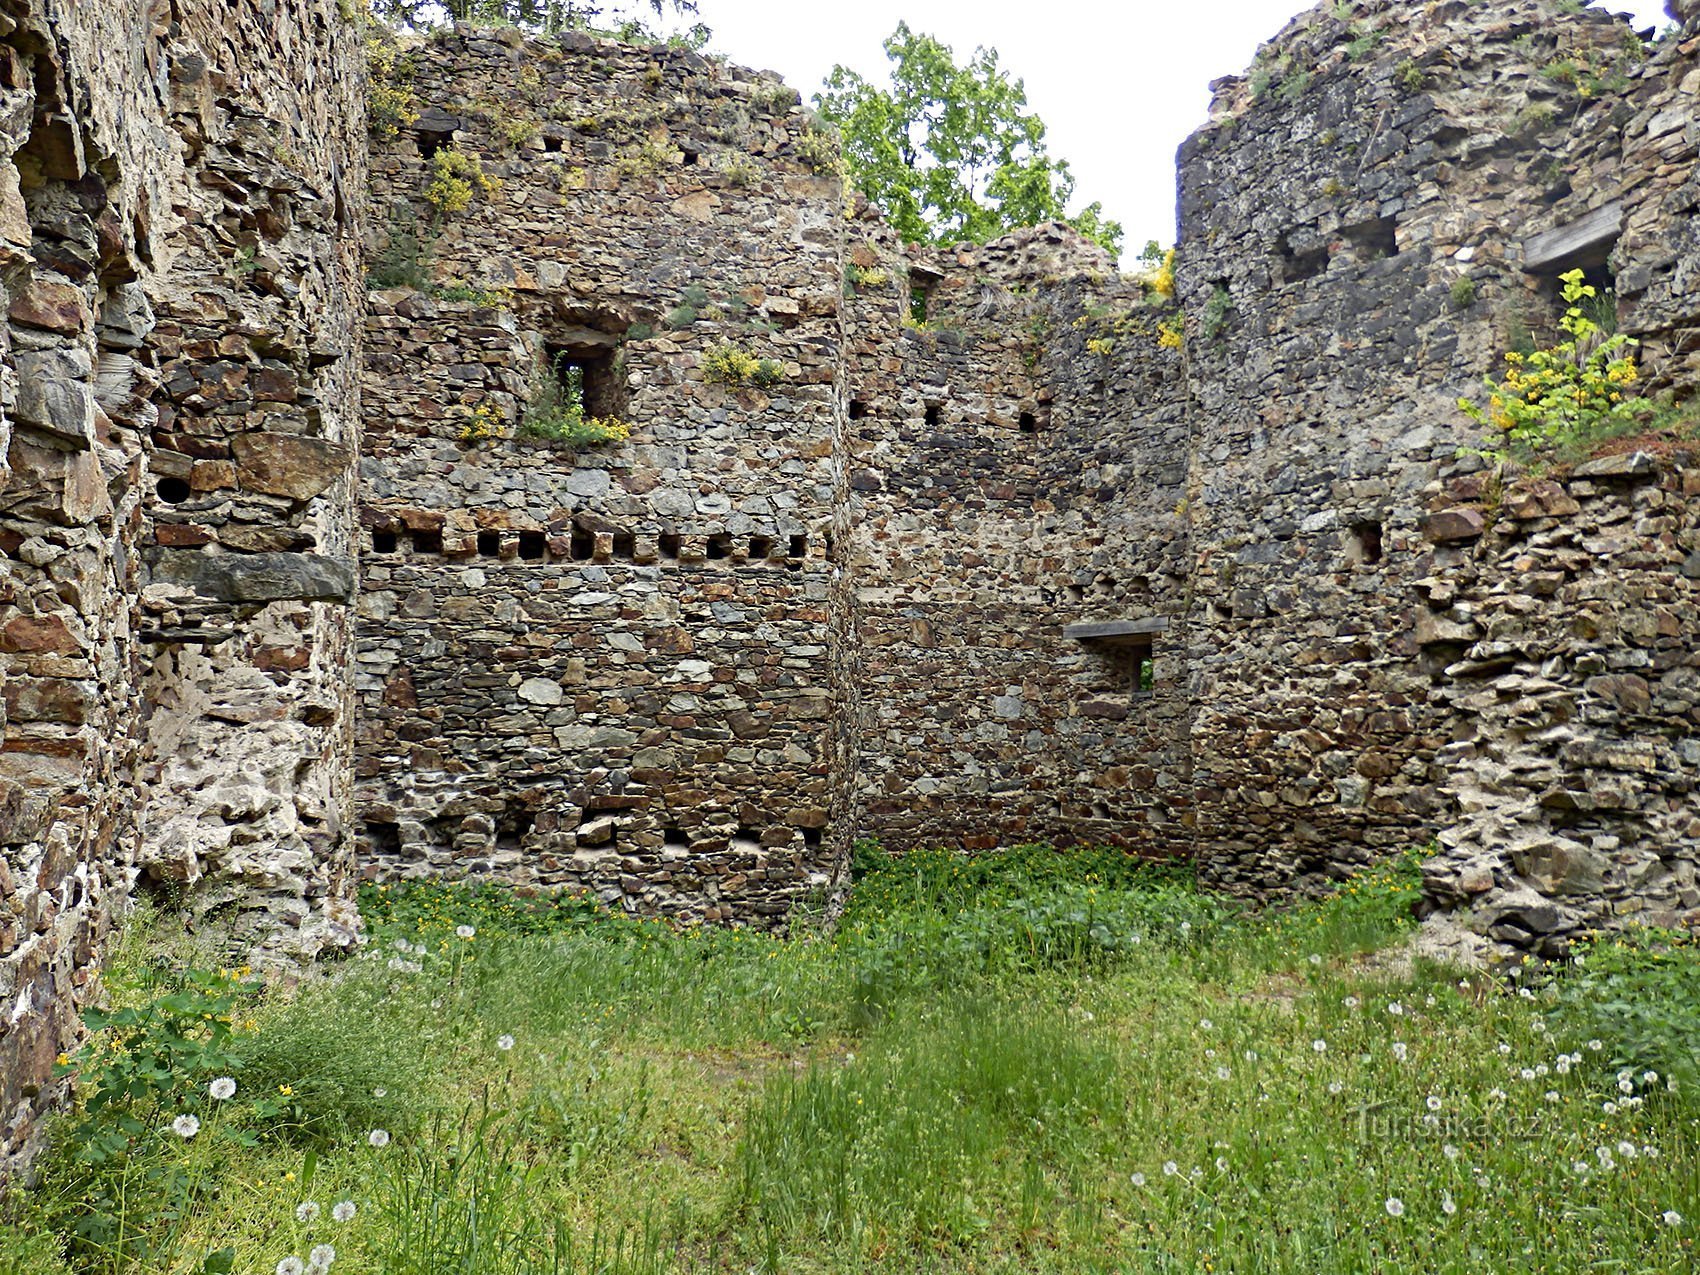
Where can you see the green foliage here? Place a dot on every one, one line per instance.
(1463, 293)
(549, 16)
(456, 178)
(949, 152)
(401, 262)
(1640, 993)
(1567, 394)
(391, 103)
(1411, 75)
(726, 364)
(555, 412)
(1214, 323)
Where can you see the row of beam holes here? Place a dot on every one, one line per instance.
(534, 545)
(1027, 422)
(675, 838)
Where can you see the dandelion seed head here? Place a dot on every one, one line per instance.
(378, 1138)
(1320, 1046)
(1433, 1102)
(1395, 1206)
(1448, 1205)
(1170, 1168)
(504, 1042)
(290, 1266)
(306, 1211)
(186, 1127)
(1138, 1179)
(343, 1210)
(464, 931)
(222, 1088)
(1671, 1217)
(319, 1258)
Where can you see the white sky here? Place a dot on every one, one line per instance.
(1119, 84)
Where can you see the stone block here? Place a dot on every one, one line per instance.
(55, 394)
(287, 464)
(1449, 525)
(259, 577)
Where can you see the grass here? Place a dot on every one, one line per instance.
(1032, 1061)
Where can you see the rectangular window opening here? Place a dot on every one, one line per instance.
(1297, 265)
(584, 379)
(799, 547)
(383, 837)
(761, 548)
(812, 837)
(513, 827)
(921, 285)
(533, 545)
(1365, 545)
(935, 413)
(625, 545)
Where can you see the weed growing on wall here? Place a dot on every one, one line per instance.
(1567, 394)
(456, 179)
(727, 364)
(555, 412)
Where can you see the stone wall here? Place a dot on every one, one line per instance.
(612, 669)
(1006, 483)
(175, 277)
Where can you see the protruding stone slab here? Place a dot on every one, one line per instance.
(1448, 525)
(287, 464)
(1623, 465)
(1585, 242)
(1111, 630)
(259, 577)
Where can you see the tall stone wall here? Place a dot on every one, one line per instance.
(1007, 483)
(177, 201)
(609, 669)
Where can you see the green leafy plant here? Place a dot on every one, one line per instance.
(1463, 293)
(727, 364)
(1214, 323)
(1640, 992)
(555, 412)
(1567, 393)
(1410, 75)
(456, 178)
(391, 103)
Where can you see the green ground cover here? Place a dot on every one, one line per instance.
(1033, 1061)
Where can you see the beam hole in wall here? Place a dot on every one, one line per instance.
(513, 826)
(746, 840)
(1027, 423)
(675, 839)
(383, 836)
(799, 547)
(761, 548)
(1364, 547)
(667, 544)
(430, 141)
(935, 413)
(624, 546)
(489, 544)
(1298, 264)
(427, 542)
(582, 546)
(691, 159)
(719, 545)
(533, 545)
(385, 542)
(858, 409)
(1374, 239)
(173, 491)
(812, 838)
(552, 145)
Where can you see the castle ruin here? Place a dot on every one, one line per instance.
(997, 548)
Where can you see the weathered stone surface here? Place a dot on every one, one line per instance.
(288, 465)
(259, 577)
(1455, 524)
(54, 394)
(1587, 241)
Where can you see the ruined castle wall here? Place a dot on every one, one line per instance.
(1004, 484)
(611, 669)
(1563, 654)
(1331, 215)
(123, 124)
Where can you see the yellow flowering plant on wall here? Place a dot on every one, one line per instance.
(1568, 393)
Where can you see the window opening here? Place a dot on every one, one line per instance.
(384, 542)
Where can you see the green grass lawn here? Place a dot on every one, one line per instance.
(1028, 1062)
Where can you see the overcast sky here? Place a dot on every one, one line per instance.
(1120, 83)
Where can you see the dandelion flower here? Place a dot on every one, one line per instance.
(290, 1266)
(306, 1211)
(1320, 1046)
(1671, 1217)
(504, 1042)
(1448, 1205)
(380, 1092)
(319, 1258)
(343, 1210)
(186, 1127)
(1434, 1102)
(1395, 1206)
(1138, 1179)
(222, 1088)
(464, 931)
(1170, 1168)
(1400, 1050)
(378, 1138)
(1397, 1010)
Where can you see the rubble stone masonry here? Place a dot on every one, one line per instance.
(962, 546)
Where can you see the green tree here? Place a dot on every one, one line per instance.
(536, 15)
(950, 153)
